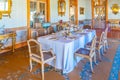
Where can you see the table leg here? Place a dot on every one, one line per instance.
(13, 43)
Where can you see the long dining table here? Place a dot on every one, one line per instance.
(65, 47)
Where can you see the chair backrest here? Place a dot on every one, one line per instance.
(87, 27)
(35, 49)
(37, 25)
(101, 38)
(50, 30)
(59, 27)
(41, 32)
(106, 31)
(93, 47)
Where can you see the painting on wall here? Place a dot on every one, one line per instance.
(81, 11)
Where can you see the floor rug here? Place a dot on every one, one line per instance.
(114, 74)
(86, 73)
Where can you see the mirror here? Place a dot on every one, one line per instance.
(42, 11)
(5, 8)
(33, 9)
(61, 7)
(37, 13)
(72, 14)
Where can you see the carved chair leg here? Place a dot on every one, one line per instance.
(95, 59)
(91, 65)
(42, 71)
(55, 64)
(30, 65)
(99, 55)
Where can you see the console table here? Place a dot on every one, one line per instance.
(11, 35)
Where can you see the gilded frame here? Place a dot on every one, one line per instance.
(61, 7)
(6, 12)
(81, 10)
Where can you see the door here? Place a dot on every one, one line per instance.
(37, 12)
(99, 16)
(72, 14)
(73, 11)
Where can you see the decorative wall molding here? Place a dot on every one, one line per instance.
(113, 19)
(21, 38)
(17, 28)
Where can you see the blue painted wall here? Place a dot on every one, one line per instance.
(54, 11)
(18, 15)
(110, 14)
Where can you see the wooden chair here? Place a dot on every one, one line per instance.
(38, 55)
(99, 44)
(59, 27)
(38, 32)
(41, 32)
(37, 25)
(105, 42)
(88, 53)
(87, 27)
(50, 30)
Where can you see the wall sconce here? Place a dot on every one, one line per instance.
(115, 8)
(61, 7)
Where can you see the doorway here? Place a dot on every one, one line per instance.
(73, 11)
(72, 14)
(37, 12)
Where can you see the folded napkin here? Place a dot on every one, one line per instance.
(72, 37)
(53, 38)
(46, 36)
(83, 33)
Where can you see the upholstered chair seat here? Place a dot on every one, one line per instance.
(83, 51)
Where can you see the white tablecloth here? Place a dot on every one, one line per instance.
(64, 48)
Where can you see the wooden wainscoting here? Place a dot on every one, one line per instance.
(113, 33)
(18, 44)
(9, 48)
